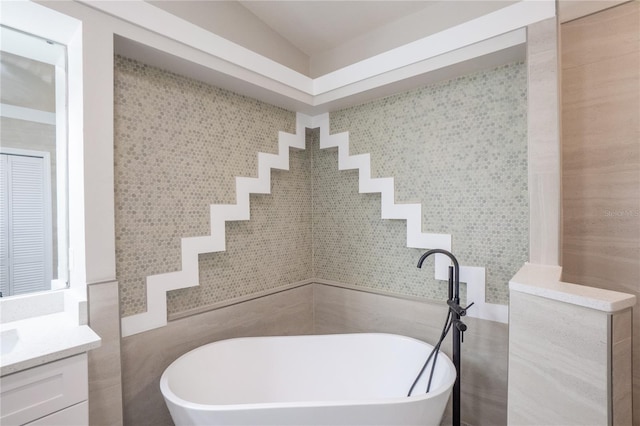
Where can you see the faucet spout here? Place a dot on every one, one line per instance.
(454, 276)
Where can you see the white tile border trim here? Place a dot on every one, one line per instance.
(474, 276)
(158, 285)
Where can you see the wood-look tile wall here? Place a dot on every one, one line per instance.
(558, 363)
(105, 373)
(621, 364)
(601, 156)
(316, 309)
(485, 348)
(145, 356)
(543, 129)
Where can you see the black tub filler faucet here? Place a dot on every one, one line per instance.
(456, 312)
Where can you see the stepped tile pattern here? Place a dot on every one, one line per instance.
(181, 286)
(458, 148)
(415, 238)
(353, 244)
(179, 144)
(271, 250)
(191, 247)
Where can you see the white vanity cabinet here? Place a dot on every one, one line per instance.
(55, 393)
(43, 365)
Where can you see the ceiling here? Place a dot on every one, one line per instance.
(317, 37)
(321, 36)
(318, 56)
(317, 26)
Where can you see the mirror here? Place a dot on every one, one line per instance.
(33, 165)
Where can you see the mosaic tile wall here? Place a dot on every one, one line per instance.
(459, 148)
(179, 144)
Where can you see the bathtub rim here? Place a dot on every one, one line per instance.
(169, 395)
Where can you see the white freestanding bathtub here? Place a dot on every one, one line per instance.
(340, 379)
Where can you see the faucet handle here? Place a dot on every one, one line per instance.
(462, 327)
(457, 308)
(468, 306)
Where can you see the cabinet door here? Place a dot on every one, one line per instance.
(37, 392)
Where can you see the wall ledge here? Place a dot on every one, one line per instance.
(237, 300)
(544, 281)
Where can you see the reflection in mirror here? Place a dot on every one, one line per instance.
(33, 213)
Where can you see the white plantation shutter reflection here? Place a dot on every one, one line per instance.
(4, 228)
(26, 225)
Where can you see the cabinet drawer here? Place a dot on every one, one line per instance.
(78, 415)
(34, 393)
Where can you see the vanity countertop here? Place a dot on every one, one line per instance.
(544, 281)
(34, 341)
